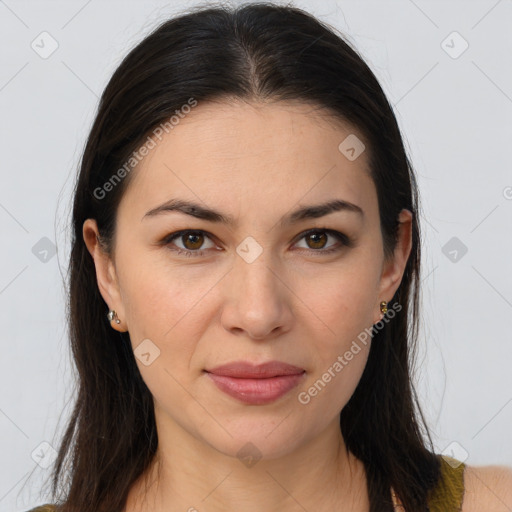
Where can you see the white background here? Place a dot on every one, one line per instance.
(456, 114)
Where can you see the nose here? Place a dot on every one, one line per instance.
(257, 299)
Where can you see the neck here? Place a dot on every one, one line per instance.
(190, 475)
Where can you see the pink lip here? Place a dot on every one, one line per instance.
(256, 384)
(248, 370)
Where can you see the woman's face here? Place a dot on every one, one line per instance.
(256, 289)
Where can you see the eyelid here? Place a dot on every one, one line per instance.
(341, 237)
(168, 239)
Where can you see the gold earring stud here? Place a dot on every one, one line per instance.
(384, 307)
(112, 315)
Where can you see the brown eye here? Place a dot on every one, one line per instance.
(316, 241)
(192, 241)
(318, 238)
(189, 242)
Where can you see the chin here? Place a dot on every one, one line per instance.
(256, 439)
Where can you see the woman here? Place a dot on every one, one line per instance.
(244, 285)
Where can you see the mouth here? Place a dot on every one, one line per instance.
(256, 384)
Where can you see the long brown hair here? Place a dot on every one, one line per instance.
(253, 52)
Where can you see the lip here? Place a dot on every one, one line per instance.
(248, 370)
(256, 384)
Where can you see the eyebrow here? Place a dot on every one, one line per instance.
(210, 215)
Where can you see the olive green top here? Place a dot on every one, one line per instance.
(449, 493)
(446, 497)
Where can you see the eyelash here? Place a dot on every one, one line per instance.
(341, 237)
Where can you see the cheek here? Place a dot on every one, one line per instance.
(340, 360)
(158, 295)
(170, 306)
(341, 304)
(165, 307)
(332, 388)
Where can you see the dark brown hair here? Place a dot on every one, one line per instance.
(253, 52)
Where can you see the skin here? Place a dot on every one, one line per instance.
(255, 162)
(487, 488)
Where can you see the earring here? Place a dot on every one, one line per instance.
(384, 307)
(112, 315)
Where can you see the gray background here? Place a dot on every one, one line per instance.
(455, 110)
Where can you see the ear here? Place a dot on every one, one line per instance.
(105, 273)
(394, 268)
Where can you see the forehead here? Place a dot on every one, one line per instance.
(263, 155)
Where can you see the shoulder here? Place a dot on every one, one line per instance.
(487, 488)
